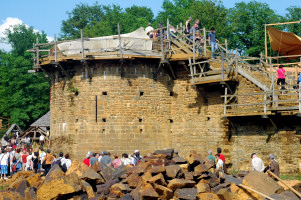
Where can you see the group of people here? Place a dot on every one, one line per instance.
(191, 31)
(105, 158)
(257, 163)
(19, 155)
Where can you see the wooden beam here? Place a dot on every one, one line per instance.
(64, 71)
(295, 22)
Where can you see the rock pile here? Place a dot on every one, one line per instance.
(161, 176)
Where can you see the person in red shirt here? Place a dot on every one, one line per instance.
(222, 157)
(87, 161)
(24, 158)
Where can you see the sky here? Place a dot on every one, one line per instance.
(47, 15)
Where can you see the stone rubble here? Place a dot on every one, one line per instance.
(160, 176)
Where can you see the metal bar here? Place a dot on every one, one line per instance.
(247, 104)
(120, 47)
(205, 41)
(265, 43)
(225, 101)
(55, 49)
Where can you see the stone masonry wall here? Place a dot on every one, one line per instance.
(137, 112)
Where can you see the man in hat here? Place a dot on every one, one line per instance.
(106, 158)
(149, 30)
(274, 166)
(257, 163)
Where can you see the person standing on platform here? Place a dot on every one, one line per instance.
(281, 77)
(212, 42)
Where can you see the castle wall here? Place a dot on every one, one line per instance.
(137, 112)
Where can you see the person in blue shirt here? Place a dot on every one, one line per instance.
(212, 41)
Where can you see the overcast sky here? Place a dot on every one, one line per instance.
(48, 15)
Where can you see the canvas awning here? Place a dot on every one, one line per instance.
(284, 43)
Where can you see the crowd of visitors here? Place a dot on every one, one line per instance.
(19, 154)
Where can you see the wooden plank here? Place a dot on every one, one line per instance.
(210, 78)
(283, 108)
(207, 82)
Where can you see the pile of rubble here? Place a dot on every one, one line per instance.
(161, 176)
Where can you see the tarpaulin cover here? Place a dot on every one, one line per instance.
(137, 40)
(284, 43)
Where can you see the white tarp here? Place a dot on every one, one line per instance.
(137, 40)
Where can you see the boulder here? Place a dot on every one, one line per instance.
(195, 158)
(59, 186)
(146, 176)
(200, 169)
(16, 183)
(55, 172)
(127, 197)
(172, 171)
(188, 175)
(133, 180)
(167, 152)
(203, 188)
(261, 182)
(159, 179)
(11, 195)
(30, 194)
(23, 174)
(186, 193)
(34, 180)
(214, 181)
(96, 167)
(207, 196)
(180, 183)
(287, 195)
(179, 160)
(157, 169)
(105, 188)
(226, 195)
(163, 192)
(147, 191)
(107, 173)
(21, 187)
(140, 168)
(88, 189)
(122, 187)
(234, 188)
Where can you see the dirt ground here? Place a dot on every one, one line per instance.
(289, 183)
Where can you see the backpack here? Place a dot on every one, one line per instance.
(64, 167)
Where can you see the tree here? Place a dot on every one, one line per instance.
(24, 96)
(98, 20)
(294, 14)
(246, 21)
(21, 37)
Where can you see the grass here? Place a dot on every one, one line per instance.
(4, 186)
(291, 177)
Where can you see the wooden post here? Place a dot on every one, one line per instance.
(223, 67)
(38, 53)
(265, 43)
(120, 47)
(225, 101)
(191, 71)
(181, 28)
(299, 97)
(193, 44)
(168, 35)
(162, 47)
(236, 63)
(265, 104)
(205, 41)
(82, 41)
(292, 189)
(248, 188)
(55, 49)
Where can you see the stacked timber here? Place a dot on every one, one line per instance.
(161, 176)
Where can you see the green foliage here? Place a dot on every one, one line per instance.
(294, 14)
(246, 21)
(24, 96)
(98, 20)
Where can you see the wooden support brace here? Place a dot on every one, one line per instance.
(88, 69)
(273, 123)
(172, 72)
(64, 71)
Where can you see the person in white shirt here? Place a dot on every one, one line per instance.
(4, 164)
(66, 162)
(42, 139)
(149, 30)
(125, 159)
(257, 163)
(29, 163)
(219, 163)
